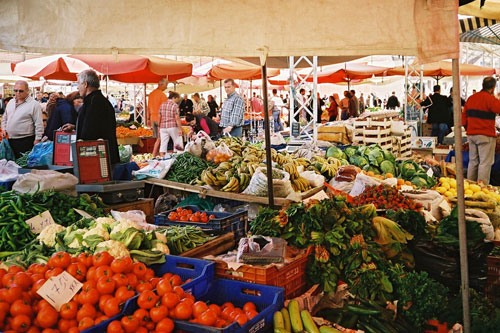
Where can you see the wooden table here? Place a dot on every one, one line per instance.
(206, 192)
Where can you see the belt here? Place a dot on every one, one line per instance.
(474, 113)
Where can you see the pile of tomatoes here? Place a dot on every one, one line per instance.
(187, 215)
(107, 283)
(157, 309)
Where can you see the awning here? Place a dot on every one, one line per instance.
(348, 72)
(239, 72)
(443, 68)
(228, 28)
(489, 34)
(490, 9)
(54, 67)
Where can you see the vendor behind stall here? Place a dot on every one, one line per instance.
(96, 118)
(203, 123)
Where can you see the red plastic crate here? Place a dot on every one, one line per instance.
(291, 277)
(493, 283)
(439, 327)
(148, 144)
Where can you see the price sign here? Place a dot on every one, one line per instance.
(59, 289)
(430, 172)
(295, 129)
(84, 214)
(39, 222)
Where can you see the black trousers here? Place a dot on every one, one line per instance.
(21, 145)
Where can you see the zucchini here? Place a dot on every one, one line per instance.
(296, 322)
(326, 329)
(286, 319)
(278, 320)
(309, 324)
(362, 311)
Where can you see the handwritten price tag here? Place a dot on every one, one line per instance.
(59, 289)
(39, 222)
(84, 214)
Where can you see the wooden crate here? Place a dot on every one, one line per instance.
(146, 205)
(216, 246)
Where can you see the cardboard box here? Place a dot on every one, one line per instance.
(424, 142)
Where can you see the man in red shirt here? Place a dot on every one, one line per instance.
(478, 118)
(156, 98)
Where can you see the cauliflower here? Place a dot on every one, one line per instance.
(99, 230)
(48, 234)
(115, 248)
(161, 247)
(3, 266)
(75, 244)
(104, 221)
(161, 237)
(124, 225)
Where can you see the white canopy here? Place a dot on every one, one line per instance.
(228, 28)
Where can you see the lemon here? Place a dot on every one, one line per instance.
(448, 194)
(468, 193)
(441, 189)
(443, 179)
(475, 188)
(446, 185)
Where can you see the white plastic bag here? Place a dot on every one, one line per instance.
(361, 182)
(313, 178)
(397, 127)
(45, 180)
(154, 169)
(8, 171)
(258, 184)
(137, 216)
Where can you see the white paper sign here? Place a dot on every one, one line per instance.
(39, 222)
(430, 172)
(84, 214)
(59, 289)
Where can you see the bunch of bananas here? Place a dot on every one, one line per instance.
(213, 178)
(291, 168)
(235, 144)
(237, 183)
(280, 158)
(300, 184)
(302, 161)
(251, 167)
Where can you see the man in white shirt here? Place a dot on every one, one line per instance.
(277, 104)
(200, 107)
(22, 121)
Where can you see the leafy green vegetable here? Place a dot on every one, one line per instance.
(411, 221)
(447, 232)
(388, 167)
(336, 152)
(359, 161)
(265, 223)
(376, 157)
(372, 168)
(131, 237)
(408, 168)
(350, 151)
(148, 257)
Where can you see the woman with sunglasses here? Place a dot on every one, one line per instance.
(22, 121)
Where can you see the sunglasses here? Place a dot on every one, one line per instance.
(19, 91)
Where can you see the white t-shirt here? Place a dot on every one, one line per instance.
(277, 103)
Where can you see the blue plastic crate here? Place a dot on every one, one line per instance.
(267, 299)
(101, 327)
(202, 272)
(224, 222)
(6, 186)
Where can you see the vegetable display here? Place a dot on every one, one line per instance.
(186, 168)
(124, 132)
(386, 197)
(182, 239)
(187, 215)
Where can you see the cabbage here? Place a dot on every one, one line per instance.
(359, 161)
(419, 181)
(376, 157)
(350, 151)
(388, 167)
(335, 152)
(372, 168)
(388, 155)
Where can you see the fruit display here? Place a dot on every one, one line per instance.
(108, 282)
(187, 215)
(386, 197)
(125, 132)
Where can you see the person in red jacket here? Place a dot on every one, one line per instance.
(478, 118)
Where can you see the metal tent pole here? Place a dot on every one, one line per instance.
(220, 89)
(462, 233)
(146, 113)
(267, 134)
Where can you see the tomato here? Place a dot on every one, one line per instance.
(121, 265)
(132, 280)
(208, 318)
(149, 274)
(154, 282)
(158, 313)
(179, 209)
(39, 268)
(147, 299)
(251, 314)
(163, 287)
(102, 258)
(142, 316)
(165, 325)
(241, 319)
(172, 216)
(68, 310)
(203, 219)
(60, 259)
(211, 217)
(89, 296)
(42, 304)
(89, 285)
(123, 293)
(183, 311)
(170, 300)
(143, 286)
(47, 317)
(20, 323)
(20, 307)
(100, 319)
(36, 276)
(194, 218)
(3, 271)
(220, 323)
(120, 279)
(15, 269)
(226, 312)
(53, 272)
(12, 293)
(115, 327)
(236, 312)
(85, 322)
(249, 306)
(85, 259)
(184, 218)
(74, 330)
(142, 330)
(198, 308)
(102, 301)
(111, 307)
(106, 285)
(179, 291)
(215, 308)
(175, 280)
(65, 324)
(87, 310)
(77, 270)
(130, 324)
(139, 269)
(91, 273)
(9, 279)
(103, 270)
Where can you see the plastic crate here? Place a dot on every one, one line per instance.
(147, 147)
(224, 222)
(6, 186)
(201, 272)
(101, 327)
(266, 298)
(291, 277)
(493, 282)
(437, 327)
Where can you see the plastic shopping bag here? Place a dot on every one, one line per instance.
(41, 154)
(125, 153)
(154, 169)
(8, 171)
(6, 151)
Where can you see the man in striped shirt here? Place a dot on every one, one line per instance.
(232, 111)
(170, 123)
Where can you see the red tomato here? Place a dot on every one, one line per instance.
(102, 258)
(123, 293)
(103, 270)
(142, 316)
(68, 310)
(77, 270)
(172, 216)
(211, 217)
(143, 285)
(163, 287)
(106, 285)
(179, 210)
(121, 265)
(12, 293)
(20, 323)
(87, 310)
(112, 307)
(130, 324)
(47, 317)
(89, 296)
(184, 218)
(115, 327)
(53, 272)
(132, 280)
(102, 301)
(85, 322)
(165, 325)
(85, 259)
(20, 307)
(120, 279)
(139, 269)
(158, 313)
(194, 218)
(147, 299)
(183, 311)
(60, 259)
(91, 273)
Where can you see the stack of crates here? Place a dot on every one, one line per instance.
(373, 131)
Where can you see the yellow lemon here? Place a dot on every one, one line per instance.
(448, 194)
(442, 179)
(441, 189)
(468, 193)
(446, 185)
(475, 188)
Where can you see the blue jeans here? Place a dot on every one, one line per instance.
(237, 131)
(440, 130)
(277, 121)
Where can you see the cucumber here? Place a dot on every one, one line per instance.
(326, 329)
(296, 322)
(278, 320)
(362, 311)
(308, 321)
(286, 319)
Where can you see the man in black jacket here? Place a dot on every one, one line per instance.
(438, 115)
(186, 106)
(393, 102)
(96, 118)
